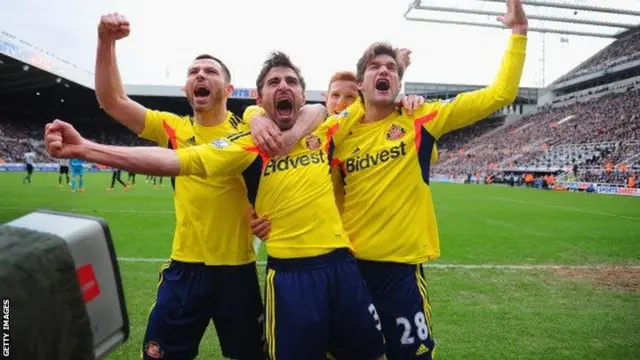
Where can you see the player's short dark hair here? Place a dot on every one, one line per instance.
(225, 69)
(379, 48)
(277, 59)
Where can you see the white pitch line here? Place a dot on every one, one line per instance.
(443, 266)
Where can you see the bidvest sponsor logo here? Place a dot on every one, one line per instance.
(293, 162)
(363, 162)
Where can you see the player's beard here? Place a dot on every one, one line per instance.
(216, 98)
(286, 123)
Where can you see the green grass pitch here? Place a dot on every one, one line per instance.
(522, 309)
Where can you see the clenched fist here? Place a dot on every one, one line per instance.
(113, 27)
(62, 140)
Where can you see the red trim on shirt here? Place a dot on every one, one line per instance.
(171, 132)
(263, 154)
(332, 130)
(419, 122)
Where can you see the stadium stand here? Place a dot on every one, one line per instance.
(455, 140)
(605, 129)
(624, 50)
(23, 115)
(585, 132)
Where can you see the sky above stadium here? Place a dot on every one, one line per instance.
(322, 37)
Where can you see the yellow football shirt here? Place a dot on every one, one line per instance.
(294, 192)
(387, 207)
(212, 222)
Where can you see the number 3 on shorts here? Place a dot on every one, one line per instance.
(422, 328)
(374, 313)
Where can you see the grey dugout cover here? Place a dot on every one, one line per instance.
(91, 247)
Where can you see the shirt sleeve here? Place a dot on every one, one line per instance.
(445, 116)
(220, 157)
(250, 112)
(158, 126)
(239, 124)
(244, 123)
(339, 126)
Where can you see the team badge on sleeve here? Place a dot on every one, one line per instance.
(396, 132)
(312, 142)
(220, 143)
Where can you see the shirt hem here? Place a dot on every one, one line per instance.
(414, 261)
(217, 263)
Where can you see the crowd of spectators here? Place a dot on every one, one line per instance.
(19, 135)
(604, 177)
(13, 151)
(456, 139)
(567, 156)
(618, 52)
(537, 139)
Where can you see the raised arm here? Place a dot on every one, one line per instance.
(149, 160)
(63, 141)
(469, 107)
(109, 89)
(218, 157)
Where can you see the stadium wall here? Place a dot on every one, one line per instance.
(546, 98)
(597, 91)
(605, 189)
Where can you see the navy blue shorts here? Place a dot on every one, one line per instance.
(316, 301)
(192, 295)
(399, 292)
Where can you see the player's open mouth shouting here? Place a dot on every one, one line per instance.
(201, 93)
(284, 105)
(383, 85)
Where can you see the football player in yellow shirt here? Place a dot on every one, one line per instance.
(211, 274)
(388, 210)
(384, 162)
(342, 92)
(315, 295)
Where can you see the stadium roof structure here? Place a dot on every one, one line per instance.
(26, 67)
(443, 91)
(590, 18)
